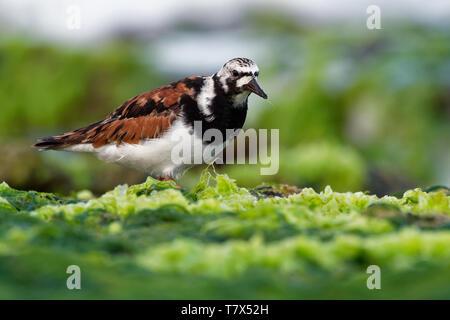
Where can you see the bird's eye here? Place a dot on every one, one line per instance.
(256, 73)
(235, 73)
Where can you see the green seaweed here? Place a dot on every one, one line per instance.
(156, 240)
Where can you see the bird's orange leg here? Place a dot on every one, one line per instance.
(166, 178)
(169, 178)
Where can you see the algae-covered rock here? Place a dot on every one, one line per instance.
(155, 240)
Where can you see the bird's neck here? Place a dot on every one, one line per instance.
(227, 89)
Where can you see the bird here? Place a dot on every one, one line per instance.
(140, 133)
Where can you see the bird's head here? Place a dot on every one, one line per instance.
(238, 78)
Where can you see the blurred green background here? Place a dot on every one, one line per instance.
(357, 109)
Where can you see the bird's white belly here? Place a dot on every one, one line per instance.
(160, 157)
(152, 156)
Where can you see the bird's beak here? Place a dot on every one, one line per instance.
(254, 87)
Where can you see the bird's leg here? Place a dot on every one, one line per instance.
(169, 178)
(166, 178)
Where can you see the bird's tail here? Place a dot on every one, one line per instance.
(60, 141)
(52, 143)
(67, 139)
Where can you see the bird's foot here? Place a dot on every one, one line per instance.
(169, 178)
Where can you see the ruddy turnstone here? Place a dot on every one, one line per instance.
(140, 133)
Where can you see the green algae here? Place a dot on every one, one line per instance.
(220, 239)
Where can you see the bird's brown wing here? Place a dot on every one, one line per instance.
(145, 116)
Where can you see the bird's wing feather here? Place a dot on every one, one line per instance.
(146, 116)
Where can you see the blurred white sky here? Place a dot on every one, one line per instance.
(202, 52)
(101, 17)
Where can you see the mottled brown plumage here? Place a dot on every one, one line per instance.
(146, 116)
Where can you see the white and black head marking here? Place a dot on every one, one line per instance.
(238, 78)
